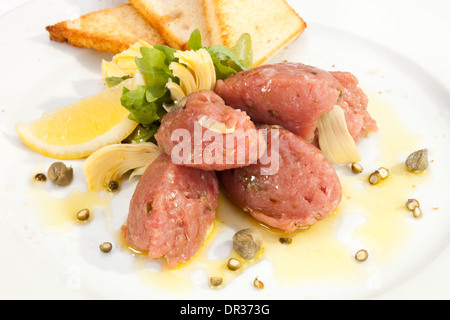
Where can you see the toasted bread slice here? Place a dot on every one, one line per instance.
(175, 20)
(272, 24)
(109, 30)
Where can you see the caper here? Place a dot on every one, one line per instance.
(258, 284)
(411, 204)
(215, 281)
(374, 177)
(234, 264)
(285, 240)
(384, 173)
(105, 247)
(113, 186)
(357, 168)
(417, 161)
(361, 255)
(40, 177)
(83, 214)
(60, 174)
(417, 212)
(247, 243)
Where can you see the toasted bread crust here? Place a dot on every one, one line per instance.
(220, 16)
(167, 23)
(93, 30)
(158, 22)
(273, 25)
(214, 22)
(78, 38)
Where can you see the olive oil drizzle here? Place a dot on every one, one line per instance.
(60, 214)
(317, 250)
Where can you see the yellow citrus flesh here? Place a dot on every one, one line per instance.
(77, 130)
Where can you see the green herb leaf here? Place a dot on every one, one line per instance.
(114, 81)
(146, 102)
(195, 40)
(143, 133)
(223, 71)
(140, 109)
(155, 69)
(243, 50)
(225, 62)
(168, 51)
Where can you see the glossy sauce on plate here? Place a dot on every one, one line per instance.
(370, 217)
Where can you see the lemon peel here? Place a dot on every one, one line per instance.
(79, 129)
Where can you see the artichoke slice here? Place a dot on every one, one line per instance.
(335, 141)
(196, 72)
(111, 162)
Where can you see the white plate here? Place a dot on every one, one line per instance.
(38, 263)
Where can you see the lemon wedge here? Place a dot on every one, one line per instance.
(77, 130)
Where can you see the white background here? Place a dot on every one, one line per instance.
(6, 6)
